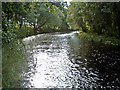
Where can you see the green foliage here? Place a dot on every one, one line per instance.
(51, 17)
(13, 64)
(101, 18)
(8, 33)
(24, 32)
(99, 38)
(39, 15)
(13, 13)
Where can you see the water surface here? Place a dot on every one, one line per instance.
(62, 60)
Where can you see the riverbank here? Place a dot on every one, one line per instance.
(13, 64)
(21, 66)
(29, 31)
(93, 37)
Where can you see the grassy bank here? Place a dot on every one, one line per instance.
(13, 59)
(28, 31)
(23, 32)
(13, 64)
(93, 37)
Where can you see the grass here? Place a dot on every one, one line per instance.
(28, 31)
(12, 65)
(13, 61)
(99, 38)
(23, 32)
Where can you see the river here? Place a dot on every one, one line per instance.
(63, 60)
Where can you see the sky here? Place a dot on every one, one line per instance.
(68, 1)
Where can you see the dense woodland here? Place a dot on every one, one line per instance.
(102, 18)
(36, 17)
(91, 51)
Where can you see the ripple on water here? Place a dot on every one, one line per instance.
(65, 61)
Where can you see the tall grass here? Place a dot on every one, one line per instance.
(99, 38)
(24, 31)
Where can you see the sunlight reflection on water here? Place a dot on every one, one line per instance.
(53, 66)
(59, 60)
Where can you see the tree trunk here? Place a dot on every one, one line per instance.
(35, 30)
(21, 22)
(34, 26)
(20, 25)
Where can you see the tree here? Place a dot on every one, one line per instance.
(101, 18)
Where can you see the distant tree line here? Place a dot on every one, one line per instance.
(98, 17)
(40, 15)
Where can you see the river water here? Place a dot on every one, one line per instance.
(63, 60)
